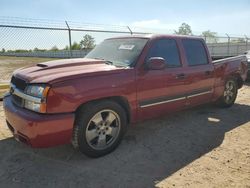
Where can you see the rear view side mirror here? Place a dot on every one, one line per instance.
(156, 63)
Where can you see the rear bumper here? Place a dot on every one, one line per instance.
(38, 130)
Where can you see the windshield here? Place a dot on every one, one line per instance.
(119, 52)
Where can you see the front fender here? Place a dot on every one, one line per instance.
(67, 96)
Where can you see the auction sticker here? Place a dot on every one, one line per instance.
(126, 47)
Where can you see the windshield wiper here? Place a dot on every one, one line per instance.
(117, 64)
(106, 61)
(109, 62)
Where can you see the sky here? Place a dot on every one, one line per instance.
(162, 16)
(221, 16)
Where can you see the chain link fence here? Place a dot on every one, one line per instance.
(61, 39)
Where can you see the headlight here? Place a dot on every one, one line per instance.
(37, 100)
(35, 90)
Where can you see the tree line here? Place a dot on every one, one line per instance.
(210, 36)
(88, 42)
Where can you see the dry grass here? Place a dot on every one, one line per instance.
(10, 64)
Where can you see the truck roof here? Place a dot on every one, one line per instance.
(155, 36)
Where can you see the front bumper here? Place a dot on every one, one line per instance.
(38, 130)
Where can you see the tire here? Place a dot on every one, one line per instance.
(229, 95)
(99, 128)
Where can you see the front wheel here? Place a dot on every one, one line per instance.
(229, 94)
(99, 128)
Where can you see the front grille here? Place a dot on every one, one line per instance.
(19, 83)
(17, 100)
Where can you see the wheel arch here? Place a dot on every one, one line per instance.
(237, 78)
(122, 101)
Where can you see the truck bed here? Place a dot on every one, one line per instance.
(241, 58)
(224, 68)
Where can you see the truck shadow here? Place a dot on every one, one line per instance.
(247, 83)
(150, 152)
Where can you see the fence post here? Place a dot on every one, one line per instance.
(69, 30)
(228, 44)
(130, 30)
(246, 42)
(238, 45)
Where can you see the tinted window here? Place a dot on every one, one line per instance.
(167, 49)
(195, 52)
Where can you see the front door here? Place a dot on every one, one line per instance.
(161, 91)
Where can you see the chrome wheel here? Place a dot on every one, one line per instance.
(103, 129)
(230, 91)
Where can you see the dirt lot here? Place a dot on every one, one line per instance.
(202, 147)
(9, 64)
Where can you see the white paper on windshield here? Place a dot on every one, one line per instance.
(126, 47)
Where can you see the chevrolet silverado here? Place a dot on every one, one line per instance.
(90, 101)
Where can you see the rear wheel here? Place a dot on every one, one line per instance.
(99, 128)
(229, 94)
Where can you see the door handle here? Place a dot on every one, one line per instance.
(180, 76)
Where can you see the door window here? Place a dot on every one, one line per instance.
(195, 52)
(167, 49)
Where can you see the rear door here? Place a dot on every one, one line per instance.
(199, 72)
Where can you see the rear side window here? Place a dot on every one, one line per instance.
(195, 52)
(167, 49)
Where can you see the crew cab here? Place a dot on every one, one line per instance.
(90, 101)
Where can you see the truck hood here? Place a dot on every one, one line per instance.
(60, 70)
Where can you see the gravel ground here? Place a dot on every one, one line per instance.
(202, 147)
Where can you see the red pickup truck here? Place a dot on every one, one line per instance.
(91, 101)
